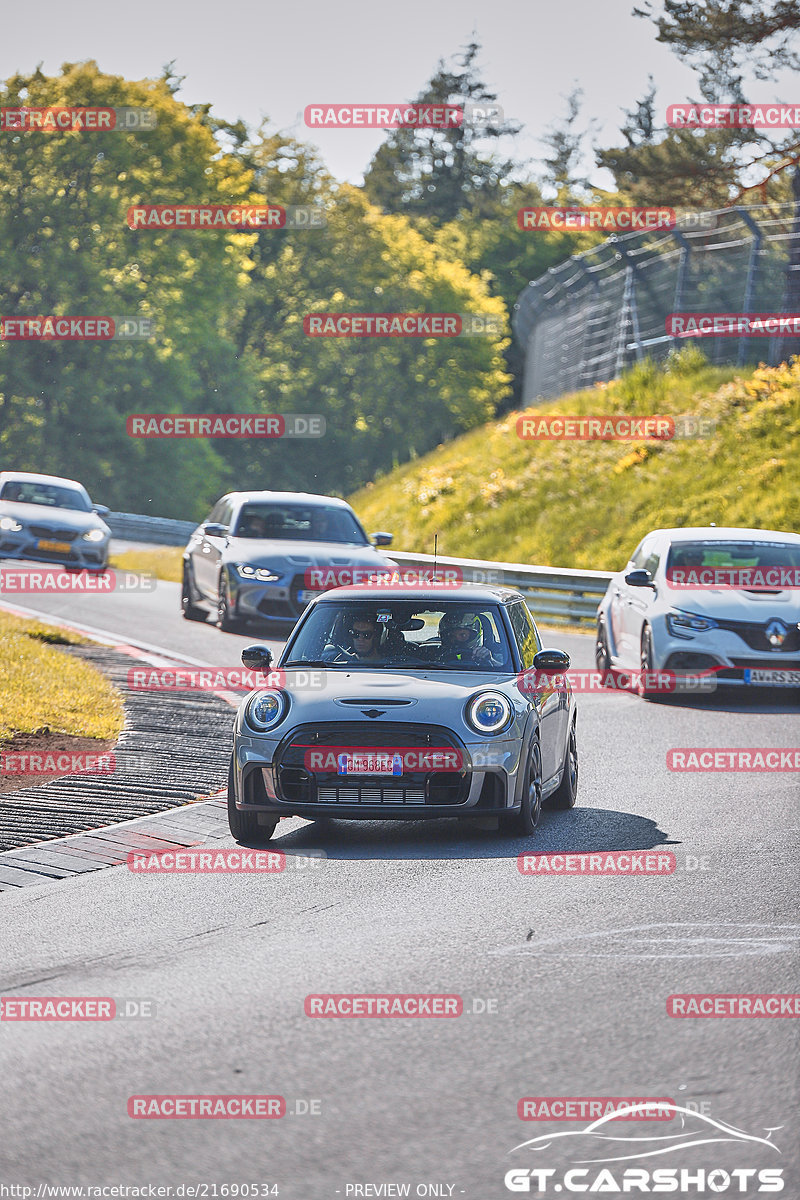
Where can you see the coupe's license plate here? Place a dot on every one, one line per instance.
(54, 547)
(307, 597)
(772, 678)
(370, 764)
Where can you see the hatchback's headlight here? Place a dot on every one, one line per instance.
(490, 712)
(257, 574)
(686, 624)
(94, 535)
(265, 710)
(10, 525)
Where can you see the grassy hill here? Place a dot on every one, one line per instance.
(491, 495)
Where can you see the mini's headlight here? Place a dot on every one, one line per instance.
(265, 710)
(10, 524)
(489, 712)
(94, 535)
(686, 624)
(258, 574)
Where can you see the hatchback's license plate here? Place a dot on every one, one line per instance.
(773, 678)
(370, 764)
(54, 547)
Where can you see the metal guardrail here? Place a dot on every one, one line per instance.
(567, 595)
(160, 531)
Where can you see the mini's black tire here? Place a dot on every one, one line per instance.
(565, 794)
(245, 827)
(524, 822)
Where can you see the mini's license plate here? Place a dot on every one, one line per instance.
(54, 547)
(370, 764)
(773, 678)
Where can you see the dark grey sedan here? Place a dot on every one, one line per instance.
(44, 518)
(262, 556)
(391, 702)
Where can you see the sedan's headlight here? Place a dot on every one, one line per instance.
(687, 624)
(94, 535)
(257, 574)
(267, 709)
(490, 712)
(10, 524)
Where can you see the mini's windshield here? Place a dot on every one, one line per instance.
(49, 495)
(299, 523)
(381, 634)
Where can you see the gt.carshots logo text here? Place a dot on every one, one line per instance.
(399, 324)
(733, 758)
(225, 425)
(330, 1004)
(582, 1108)
(610, 220)
(629, 1180)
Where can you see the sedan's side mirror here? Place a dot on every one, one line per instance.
(551, 661)
(214, 529)
(640, 578)
(382, 539)
(102, 510)
(257, 658)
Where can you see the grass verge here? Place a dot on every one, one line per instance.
(162, 561)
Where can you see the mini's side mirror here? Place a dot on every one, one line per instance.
(640, 578)
(382, 539)
(551, 661)
(214, 529)
(102, 510)
(257, 658)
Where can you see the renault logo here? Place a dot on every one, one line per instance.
(776, 633)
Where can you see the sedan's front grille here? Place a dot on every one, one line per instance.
(755, 636)
(54, 535)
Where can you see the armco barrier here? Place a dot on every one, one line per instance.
(566, 595)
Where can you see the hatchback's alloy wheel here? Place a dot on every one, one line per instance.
(646, 667)
(602, 656)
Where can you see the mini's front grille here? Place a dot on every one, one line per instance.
(54, 535)
(370, 794)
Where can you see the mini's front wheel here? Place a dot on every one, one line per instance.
(524, 822)
(245, 827)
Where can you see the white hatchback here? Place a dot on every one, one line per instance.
(724, 602)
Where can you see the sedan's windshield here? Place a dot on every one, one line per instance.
(49, 495)
(299, 523)
(381, 634)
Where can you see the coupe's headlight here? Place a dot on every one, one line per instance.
(94, 535)
(257, 574)
(10, 525)
(489, 712)
(266, 710)
(686, 624)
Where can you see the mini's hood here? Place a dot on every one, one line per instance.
(296, 556)
(57, 518)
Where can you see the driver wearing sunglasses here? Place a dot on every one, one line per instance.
(365, 634)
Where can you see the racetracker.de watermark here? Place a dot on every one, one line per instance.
(596, 682)
(606, 220)
(398, 324)
(206, 1108)
(616, 862)
(398, 1004)
(383, 760)
(194, 861)
(74, 1008)
(769, 578)
(54, 328)
(323, 579)
(732, 324)
(60, 762)
(733, 116)
(233, 679)
(225, 425)
(731, 1005)
(77, 119)
(733, 758)
(584, 1108)
(16, 580)
(401, 116)
(239, 218)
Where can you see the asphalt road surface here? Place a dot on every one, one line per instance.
(564, 981)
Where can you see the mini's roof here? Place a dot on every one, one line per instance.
(473, 593)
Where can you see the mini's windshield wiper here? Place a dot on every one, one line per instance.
(311, 662)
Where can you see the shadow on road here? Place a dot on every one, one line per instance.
(737, 700)
(580, 830)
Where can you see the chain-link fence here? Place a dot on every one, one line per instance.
(602, 310)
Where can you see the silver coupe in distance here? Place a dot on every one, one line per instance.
(393, 702)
